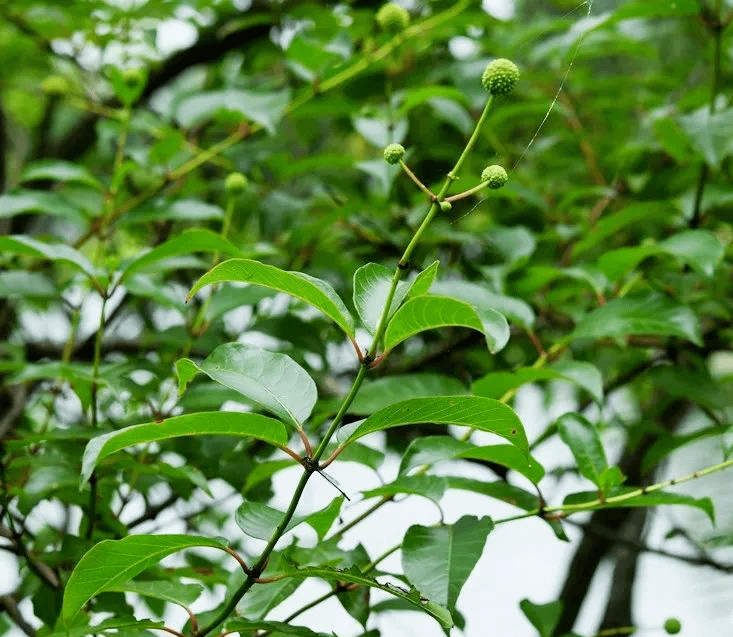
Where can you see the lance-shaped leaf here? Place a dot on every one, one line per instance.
(113, 562)
(480, 413)
(189, 242)
(220, 423)
(372, 283)
(585, 443)
(431, 312)
(272, 380)
(652, 499)
(438, 560)
(355, 576)
(51, 251)
(313, 291)
(166, 590)
(652, 314)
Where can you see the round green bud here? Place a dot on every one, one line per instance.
(445, 206)
(393, 18)
(500, 77)
(672, 626)
(393, 153)
(494, 176)
(235, 183)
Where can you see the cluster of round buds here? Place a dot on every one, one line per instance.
(235, 183)
(672, 626)
(394, 153)
(500, 77)
(494, 176)
(393, 18)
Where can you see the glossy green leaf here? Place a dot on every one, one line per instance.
(439, 560)
(260, 521)
(166, 590)
(354, 576)
(544, 617)
(251, 626)
(372, 283)
(423, 281)
(188, 242)
(510, 457)
(585, 443)
(313, 291)
(116, 625)
(270, 379)
(649, 315)
(113, 562)
(36, 201)
(430, 487)
(57, 170)
(219, 423)
(383, 392)
(51, 251)
(480, 413)
(431, 312)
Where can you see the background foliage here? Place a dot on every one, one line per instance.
(608, 253)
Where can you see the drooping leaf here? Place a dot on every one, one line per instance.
(57, 170)
(439, 560)
(166, 590)
(36, 201)
(313, 291)
(113, 562)
(585, 443)
(271, 379)
(18, 284)
(220, 423)
(480, 413)
(431, 312)
(102, 628)
(649, 315)
(188, 242)
(430, 487)
(51, 251)
(253, 626)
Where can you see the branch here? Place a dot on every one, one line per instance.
(9, 605)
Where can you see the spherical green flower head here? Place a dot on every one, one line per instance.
(672, 626)
(393, 153)
(235, 183)
(393, 18)
(494, 176)
(500, 77)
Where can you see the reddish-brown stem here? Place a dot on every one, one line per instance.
(293, 454)
(358, 350)
(239, 559)
(169, 630)
(417, 181)
(194, 621)
(332, 457)
(306, 443)
(536, 342)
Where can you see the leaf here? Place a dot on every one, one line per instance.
(431, 312)
(372, 283)
(219, 423)
(654, 498)
(266, 109)
(253, 626)
(383, 392)
(651, 314)
(480, 413)
(18, 284)
(188, 242)
(710, 134)
(510, 457)
(544, 617)
(180, 209)
(313, 291)
(479, 297)
(585, 443)
(430, 487)
(270, 379)
(34, 201)
(106, 625)
(439, 560)
(113, 562)
(423, 281)
(260, 521)
(354, 576)
(169, 591)
(57, 170)
(52, 251)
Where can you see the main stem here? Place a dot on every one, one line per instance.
(311, 467)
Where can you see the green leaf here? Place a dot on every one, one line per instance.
(34, 201)
(479, 297)
(480, 413)
(113, 562)
(180, 209)
(383, 392)
(270, 379)
(219, 423)
(431, 312)
(510, 457)
(655, 498)
(107, 625)
(188, 242)
(18, 284)
(585, 443)
(438, 560)
(430, 487)
(313, 291)
(252, 626)
(52, 251)
(57, 170)
(169, 591)
(266, 109)
(372, 283)
(653, 314)
(423, 281)
(710, 134)
(260, 521)
(354, 576)
(544, 617)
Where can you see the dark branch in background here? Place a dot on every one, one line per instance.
(9, 605)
